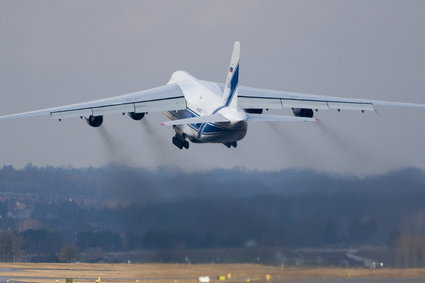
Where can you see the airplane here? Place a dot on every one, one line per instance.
(208, 112)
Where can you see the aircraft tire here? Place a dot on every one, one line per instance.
(177, 142)
(186, 144)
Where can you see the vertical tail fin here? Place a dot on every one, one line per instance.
(231, 87)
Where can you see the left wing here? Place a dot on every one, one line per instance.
(255, 98)
(160, 99)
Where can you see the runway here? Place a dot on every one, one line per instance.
(359, 280)
(189, 273)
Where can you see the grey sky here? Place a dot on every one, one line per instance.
(59, 52)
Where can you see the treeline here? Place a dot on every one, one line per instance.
(48, 246)
(137, 185)
(56, 214)
(340, 220)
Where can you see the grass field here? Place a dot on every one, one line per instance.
(174, 273)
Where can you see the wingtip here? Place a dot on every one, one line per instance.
(162, 124)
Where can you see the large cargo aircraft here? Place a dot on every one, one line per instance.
(209, 112)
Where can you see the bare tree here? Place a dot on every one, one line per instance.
(10, 246)
(410, 251)
(69, 253)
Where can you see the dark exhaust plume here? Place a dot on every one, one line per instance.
(162, 150)
(125, 184)
(115, 149)
(357, 155)
(154, 141)
(292, 149)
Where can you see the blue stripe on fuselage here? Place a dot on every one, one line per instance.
(201, 128)
(219, 108)
(183, 114)
(212, 128)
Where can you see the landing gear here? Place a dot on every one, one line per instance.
(230, 144)
(180, 142)
(186, 144)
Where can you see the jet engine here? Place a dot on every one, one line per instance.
(303, 112)
(94, 121)
(254, 111)
(136, 116)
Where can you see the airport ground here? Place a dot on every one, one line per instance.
(184, 273)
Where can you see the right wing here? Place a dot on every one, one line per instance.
(160, 99)
(255, 98)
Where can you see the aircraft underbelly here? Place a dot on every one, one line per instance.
(220, 133)
(208, 132)
(223, 137)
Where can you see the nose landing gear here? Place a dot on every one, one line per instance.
(180, 142)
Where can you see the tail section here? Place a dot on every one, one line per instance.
(231, 87)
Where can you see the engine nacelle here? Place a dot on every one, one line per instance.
(303, 112)
(254, 111)
(94, 121)
(136, 116)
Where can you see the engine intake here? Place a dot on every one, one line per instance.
(303, 112)
(94, 121)
(136, 116)
(254, 111)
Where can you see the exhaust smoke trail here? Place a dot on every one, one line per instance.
(360, 158)
(126, 185)
(156, 143)
(296, 152)
(162, 150)
(114, 148)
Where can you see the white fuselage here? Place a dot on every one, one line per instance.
(205, 98)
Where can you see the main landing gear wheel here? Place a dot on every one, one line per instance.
(230, 144)
(186, 144)
(180, 142)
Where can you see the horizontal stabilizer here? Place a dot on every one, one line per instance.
(214, 118)
(277, 118)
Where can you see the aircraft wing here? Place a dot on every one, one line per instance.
(255, 98)
(160, 99)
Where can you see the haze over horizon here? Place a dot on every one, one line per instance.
(56, 53)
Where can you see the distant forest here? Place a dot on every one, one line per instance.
(66, 214)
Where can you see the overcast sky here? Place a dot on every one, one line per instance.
(55, 52)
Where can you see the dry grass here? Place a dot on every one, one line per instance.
(173, 273)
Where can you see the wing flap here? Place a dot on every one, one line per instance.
(277, 103)
(269, 103)
(71, 113)
(99, 111)
(290, 103)
(178, 103)
(351, 106)
(277, 118)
